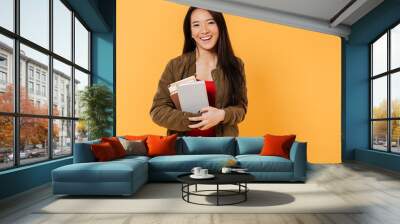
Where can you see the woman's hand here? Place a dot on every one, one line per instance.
(210, 116)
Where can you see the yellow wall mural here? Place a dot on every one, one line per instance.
(293, 75)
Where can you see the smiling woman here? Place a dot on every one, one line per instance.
(207, 54)
(293, 76)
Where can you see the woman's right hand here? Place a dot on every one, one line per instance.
(210, 117)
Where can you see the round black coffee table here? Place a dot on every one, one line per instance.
(238, 179)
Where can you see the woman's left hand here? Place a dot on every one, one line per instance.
(210, 116)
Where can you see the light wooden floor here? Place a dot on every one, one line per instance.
(377, 188)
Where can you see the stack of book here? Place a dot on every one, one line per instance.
(189, 95)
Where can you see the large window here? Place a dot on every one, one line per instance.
(385, 91)
(44, 65)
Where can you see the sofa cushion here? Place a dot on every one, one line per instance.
(207, 145)
(111, 171)
(275, 145)
(134, 137)
(257, 163)
(161, 145)
(116, 145)
(83, 152)
(134, 147)
(249, 145)
(185, 163)
(133, 158)
(103, 152)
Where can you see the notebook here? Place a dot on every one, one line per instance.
(173, 86)
(192, 96)
(173, 89)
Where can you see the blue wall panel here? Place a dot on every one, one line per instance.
(376, 22)
(91, 12)
(356, 61)
(357, 99)
(102, 59)
(24, 178)
(103, 62)
(377, 158)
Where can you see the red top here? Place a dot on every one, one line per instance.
(211, 91)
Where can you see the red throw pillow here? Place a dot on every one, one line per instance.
(160, 145)
(116, 145)
(277, 145)
(103, 152)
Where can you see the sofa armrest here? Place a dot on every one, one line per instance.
(83, 152)
(298, 155)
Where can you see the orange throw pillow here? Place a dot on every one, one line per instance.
(160, 145)
(277, 145)
(136, 138)
(103, 152)
(116, 145)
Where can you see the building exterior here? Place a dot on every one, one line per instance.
(5, 66)
(34, 80)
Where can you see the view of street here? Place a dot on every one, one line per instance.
(31, 156)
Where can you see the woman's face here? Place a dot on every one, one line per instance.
(204, 29)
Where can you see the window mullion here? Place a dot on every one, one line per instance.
(16, 84)
(371, 140)
(89, 55)
(389, 101)
(73, 82)
(50, 77)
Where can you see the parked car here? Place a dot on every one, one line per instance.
(57, 152)
(10, 156)
(22, 155)
(36, 154)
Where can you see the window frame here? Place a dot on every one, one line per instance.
(5, 59)
(16, 115)
(3, 69)
(3, 77)
(388, 74)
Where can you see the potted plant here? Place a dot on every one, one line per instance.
(96, 102)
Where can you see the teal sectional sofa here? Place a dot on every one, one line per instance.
(125, 176)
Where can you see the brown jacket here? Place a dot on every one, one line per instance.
(164, 113)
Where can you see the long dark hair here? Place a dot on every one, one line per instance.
(226, 58)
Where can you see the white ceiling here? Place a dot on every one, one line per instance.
(321, 9)
(326, 16)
